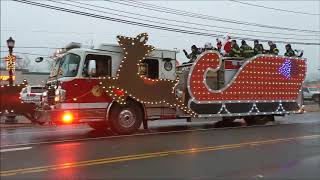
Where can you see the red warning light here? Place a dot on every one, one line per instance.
(67, 117)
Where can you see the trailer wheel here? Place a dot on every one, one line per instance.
(258, 120)
(125, 119)
(225, 122)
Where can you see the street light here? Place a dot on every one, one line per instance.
(10, 43)
(11, 59)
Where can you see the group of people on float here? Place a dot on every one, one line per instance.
(232, 49)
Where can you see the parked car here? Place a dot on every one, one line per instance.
(31, 94)
(311, 93)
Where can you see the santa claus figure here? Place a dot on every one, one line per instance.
(227, 45)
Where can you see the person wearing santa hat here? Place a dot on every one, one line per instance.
(227, 46)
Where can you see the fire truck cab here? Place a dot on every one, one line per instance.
(74, 94)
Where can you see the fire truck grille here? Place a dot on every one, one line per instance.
(51, 95)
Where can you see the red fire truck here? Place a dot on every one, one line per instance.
(123, 86)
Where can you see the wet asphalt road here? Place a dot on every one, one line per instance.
(289, 149)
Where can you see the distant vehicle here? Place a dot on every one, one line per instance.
(311, 93)
(31, 94)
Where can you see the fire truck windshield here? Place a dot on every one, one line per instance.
(55, 68)
(69, 65)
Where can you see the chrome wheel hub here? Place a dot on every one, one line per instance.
(127, 118)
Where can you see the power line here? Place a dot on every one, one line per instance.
(175, 25)
(277, 9)
(138, 23)
(185, 22)
(56, 32)
(203, 16)
(25, 53)
(144, 24)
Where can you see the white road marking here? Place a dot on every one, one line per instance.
(15, 149)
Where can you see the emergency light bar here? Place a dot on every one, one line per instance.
(62, 51)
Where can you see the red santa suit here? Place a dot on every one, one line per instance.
(227, 45)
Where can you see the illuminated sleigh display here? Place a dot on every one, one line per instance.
(261, 85)
(264, 84)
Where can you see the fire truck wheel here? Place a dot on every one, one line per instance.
(125, 119)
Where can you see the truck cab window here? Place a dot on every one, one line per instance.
(150, 68)
(69, 65)
(103, 65)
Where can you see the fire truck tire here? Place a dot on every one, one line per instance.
(125, 119)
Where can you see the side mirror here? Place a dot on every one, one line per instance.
(92, 68)
(38, 59)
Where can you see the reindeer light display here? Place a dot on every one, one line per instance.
(129, 83)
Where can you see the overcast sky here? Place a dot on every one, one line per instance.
(36, 26)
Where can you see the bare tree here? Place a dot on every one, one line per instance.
(20, 63)
(23, 63)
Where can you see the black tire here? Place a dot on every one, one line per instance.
(99, 126)
(258, 120)
(125, 119)
(225, 122)
(228, 119)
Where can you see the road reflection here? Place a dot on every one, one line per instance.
(66, 154)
